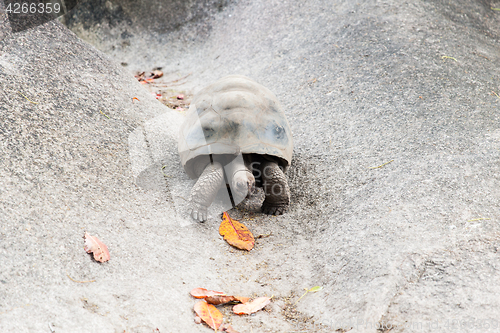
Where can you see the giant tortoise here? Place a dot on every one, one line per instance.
(235, 132)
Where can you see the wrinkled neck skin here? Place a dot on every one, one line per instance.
(241, 180)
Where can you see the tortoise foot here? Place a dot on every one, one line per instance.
(274, 209)
(198, 212)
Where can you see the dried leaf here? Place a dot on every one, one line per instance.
(228, 328)
(315, 289)
(251, 307)
(92, 244)
(197, 320)
(242, 299)
(209, 314)
(202, 293)
(140, 76)
(180, 96)
(235, 233)
(220, 299)
(157, 74)
(312, 290)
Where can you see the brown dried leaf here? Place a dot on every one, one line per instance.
(220, 299)
(157, 74)
(251, 307)
(202, 293)
(236, 233)
(209, 314)
(100, 250)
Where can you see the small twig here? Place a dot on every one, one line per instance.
(166, 85)
(77, 280)
(51, 329)
(495, 94)
(381, 165)
(182, 78)
(495, 8)
(479, 54)
(20, 93)
(446, 57)
(104, 114)
(301, 296)
(264, 236)
(479, 219)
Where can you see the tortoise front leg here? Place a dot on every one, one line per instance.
(275, 188)
(205, 190)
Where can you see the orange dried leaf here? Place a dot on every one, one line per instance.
(221, 299)
(202, 293)
(251, 307)
(242, 299)
(236, 233)
(135, 98)
(209, 314)
(100, 250)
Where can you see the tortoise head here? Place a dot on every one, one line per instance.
(243, 183)
(240, 178)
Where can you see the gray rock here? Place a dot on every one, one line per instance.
(411, 246)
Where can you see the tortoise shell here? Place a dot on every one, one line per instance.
(235, 115)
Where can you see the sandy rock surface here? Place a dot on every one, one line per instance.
(395, 179)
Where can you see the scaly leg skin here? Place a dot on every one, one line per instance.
(275, 188)
(205, 190)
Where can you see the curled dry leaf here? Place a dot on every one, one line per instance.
(228, 328)
(146, 77)
(220, 299)
(236, 233)
(100, 250)
(251, 307)
(209, 314)
(202, 293)
(156, 74)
